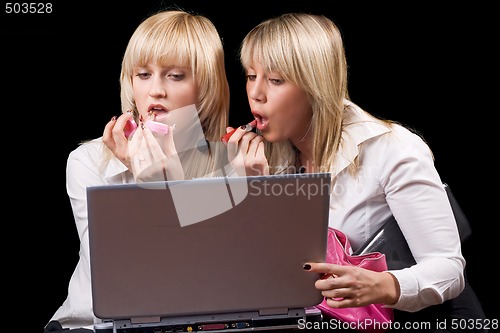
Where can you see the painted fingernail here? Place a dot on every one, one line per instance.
(247, 128)
(306, 267)
(113, 118)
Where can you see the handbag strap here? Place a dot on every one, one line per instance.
(390, 240)
(464, 228)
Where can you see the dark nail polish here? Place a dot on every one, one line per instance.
(113, 118)
(243, 127)
(307, 267)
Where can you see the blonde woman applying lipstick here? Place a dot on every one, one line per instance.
(297, 91)
(174, 61)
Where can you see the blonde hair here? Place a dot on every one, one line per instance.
(307, 50)
(188, 40)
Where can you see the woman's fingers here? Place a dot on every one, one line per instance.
(118, 133)
(107, 135)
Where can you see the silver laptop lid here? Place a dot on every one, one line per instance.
(151, 258)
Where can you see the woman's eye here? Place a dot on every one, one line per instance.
(143, 75)
(277, 81)
(176, 77)
(251, 77)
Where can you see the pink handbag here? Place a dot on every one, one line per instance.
(370, 318)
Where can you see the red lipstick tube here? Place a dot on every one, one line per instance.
(248, 127)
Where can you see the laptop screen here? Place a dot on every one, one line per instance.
(206, 246)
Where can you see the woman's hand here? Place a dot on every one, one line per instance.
(114, 138)
(350, 286)
(150, 157)
(245, 152)
(154, 156)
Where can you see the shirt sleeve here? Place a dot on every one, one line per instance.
(420, 205)
(82, 170)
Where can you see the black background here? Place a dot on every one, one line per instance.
(424, 66)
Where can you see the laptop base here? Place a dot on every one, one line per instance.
(295, 319)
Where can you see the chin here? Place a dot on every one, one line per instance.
(272, 139)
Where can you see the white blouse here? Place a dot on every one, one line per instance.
(397, 176)
(84, 169)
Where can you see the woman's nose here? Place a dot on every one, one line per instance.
(256, 90)
(157, 90)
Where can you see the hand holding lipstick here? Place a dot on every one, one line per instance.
(147, 149)
(247, 128)
(247, 157)
(154, 126)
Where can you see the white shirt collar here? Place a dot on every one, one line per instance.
(358, 127)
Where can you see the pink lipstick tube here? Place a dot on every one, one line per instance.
(130, 127)
(157, 127)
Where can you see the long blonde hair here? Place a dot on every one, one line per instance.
(307, 50)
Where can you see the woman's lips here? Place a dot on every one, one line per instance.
(261, 122)
(160, 115)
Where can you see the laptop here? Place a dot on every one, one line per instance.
(216, 254)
